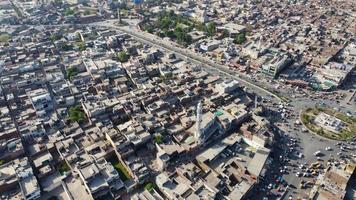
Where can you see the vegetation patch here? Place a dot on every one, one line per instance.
(4, 37)
(149, 186)
(348, 132)
(240, 38)
(76, 113)
(158, 138)
(71, 72)
(69, 11)
(122, 56)
(177, 27)
(120, 168)
(63, 168)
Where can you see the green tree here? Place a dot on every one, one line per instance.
(149, 186)
(69, 11)
(71, 72)
(4, 38)
(66, 47)
(211, 29)
(76, 113)
(123, 57)
(158, 138)
(82, 46)
(165, 23)
(240, 38)
(225, 33)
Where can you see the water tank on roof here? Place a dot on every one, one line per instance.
(137, 1)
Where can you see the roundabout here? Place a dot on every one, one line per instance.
(329, 123)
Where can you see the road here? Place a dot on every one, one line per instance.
(187, 55)
(307, 142)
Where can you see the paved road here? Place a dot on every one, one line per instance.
(187, 55)
(308, 143)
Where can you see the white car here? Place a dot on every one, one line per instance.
(328, 149)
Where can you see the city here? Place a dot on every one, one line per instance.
(177, 99)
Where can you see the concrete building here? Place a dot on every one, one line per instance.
(19, 173)
(99, 178)
(41, 101)
(329, 122)
(227, 86)
(276, 65)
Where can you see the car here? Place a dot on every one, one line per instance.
(328, 149)
(317, 153)
(270, 186)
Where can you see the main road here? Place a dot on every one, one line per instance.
(186, 54)
(298, 104)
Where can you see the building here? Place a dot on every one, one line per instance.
(41, 101)
(99, 178)
(233, 29)
(276, 65)
(227, 86)
(332, 184)
(206, 125)
(172, 188)
(329, 122)
(18, 174)
(332, 75)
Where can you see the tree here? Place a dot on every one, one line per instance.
(240, 38)
(211, 29)
(66, 47)
(165, 23)
(225, 33)
(71, 72)
(82, 46)
(149, 186)
(4, 38)
(76, 113)
(158, 138)
(69, 11)
(123, 57)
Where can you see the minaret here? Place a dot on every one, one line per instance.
(256, 101)
(198, 122)
(259, 43)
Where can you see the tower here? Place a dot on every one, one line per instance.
(256, 101)
(198, 122)
(259, 43)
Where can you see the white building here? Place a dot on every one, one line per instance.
(276, 65)
(41, 101)
(329, 122)
(19, 173)
(227, 86)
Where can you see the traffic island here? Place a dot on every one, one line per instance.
(329, 123)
